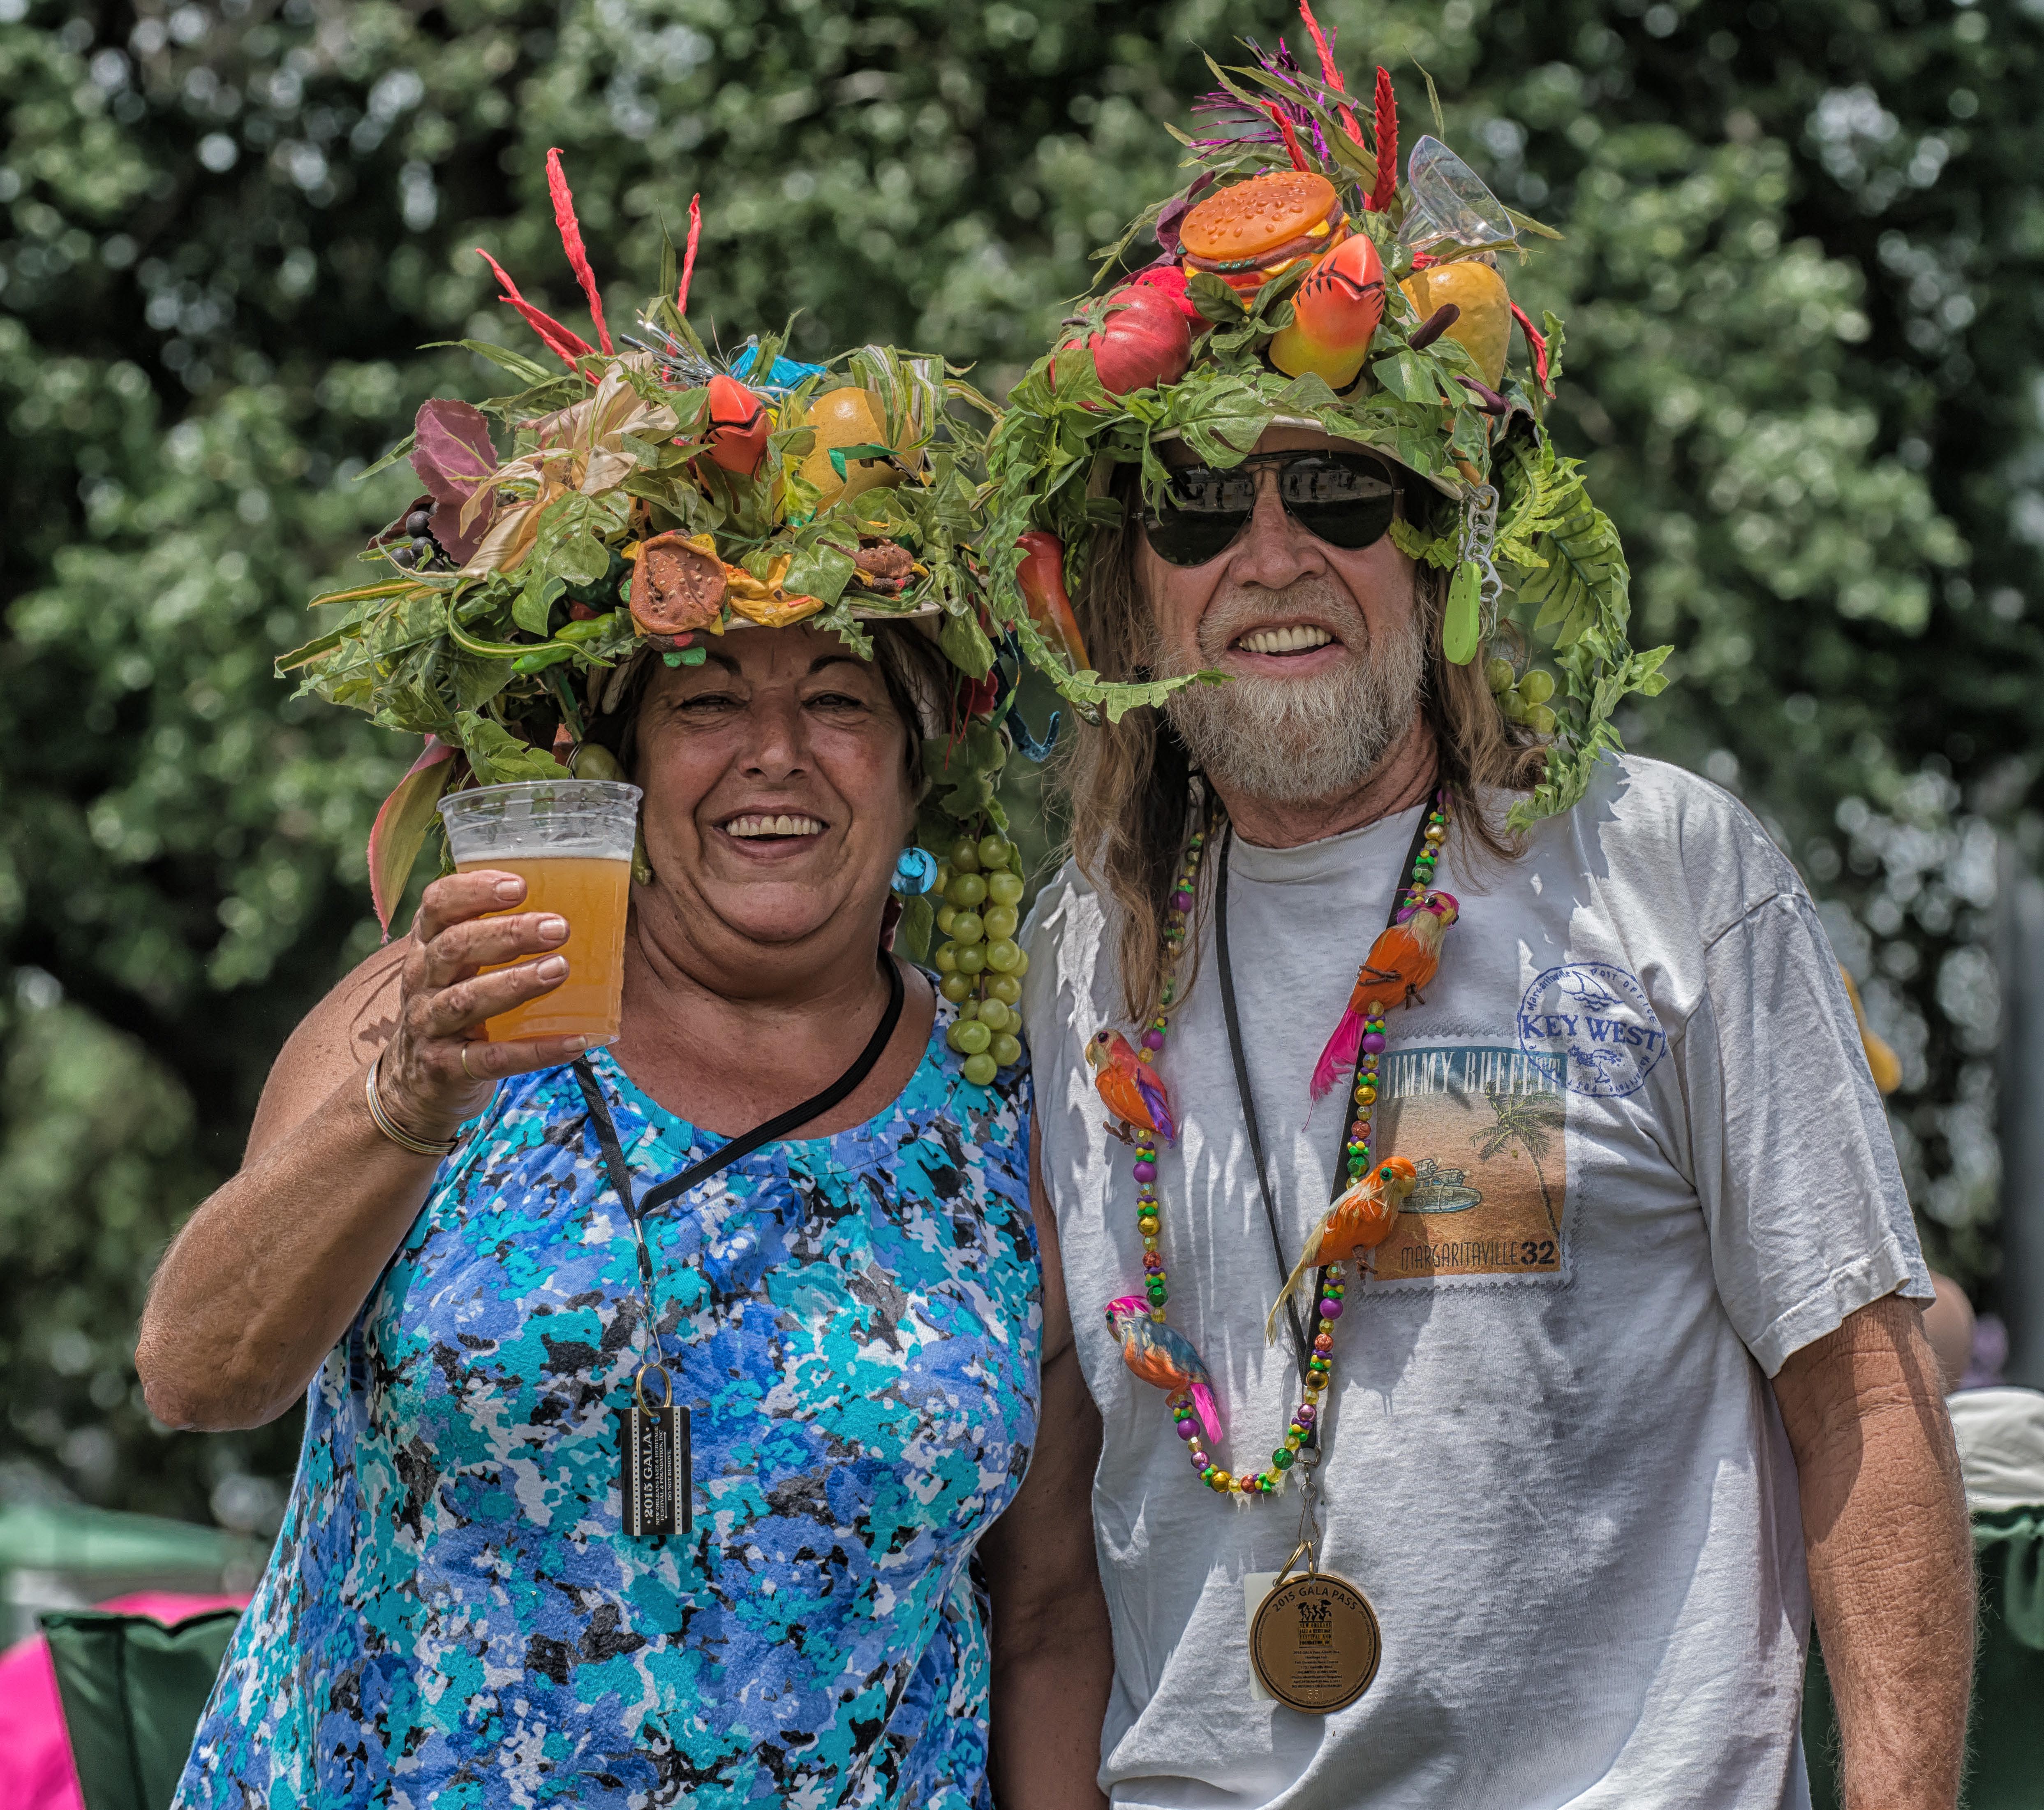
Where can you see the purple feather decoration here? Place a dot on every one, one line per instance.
(1241, 124)
(1159, 1104)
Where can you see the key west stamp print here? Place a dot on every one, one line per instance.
(1594, 1022)
(453, 1616)
(1485, 1128)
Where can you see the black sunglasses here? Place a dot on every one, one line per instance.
(1345, 499)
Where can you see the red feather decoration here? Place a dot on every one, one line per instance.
(1329, 70)
(689, 255)
(568, 347)
(1538, 340)
(571, 232)
(1291, 138)
(1387, 144)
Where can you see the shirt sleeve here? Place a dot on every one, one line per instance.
(1795, 1164)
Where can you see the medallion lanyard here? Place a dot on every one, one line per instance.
(1236, 1055)
(654, 1479)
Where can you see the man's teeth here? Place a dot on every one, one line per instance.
(1295, 640)
(774, 826)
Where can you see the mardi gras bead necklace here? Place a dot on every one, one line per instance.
(1404, 957)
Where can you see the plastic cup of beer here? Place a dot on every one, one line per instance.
(570, 841)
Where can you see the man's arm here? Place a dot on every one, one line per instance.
(1053, 1654)
(1890, 1553)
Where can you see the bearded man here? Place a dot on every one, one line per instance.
(1376, 966)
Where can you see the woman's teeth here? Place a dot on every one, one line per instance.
(774, 826)
(1295, 640)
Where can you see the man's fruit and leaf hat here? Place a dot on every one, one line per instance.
(637, 499)
(1299, 283)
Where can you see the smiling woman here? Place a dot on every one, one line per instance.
(651, 1382)
(793, 776)
(861, 1303)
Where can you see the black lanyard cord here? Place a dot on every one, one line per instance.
(700, 1171)
(1234, 1050)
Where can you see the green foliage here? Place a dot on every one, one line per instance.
(1800, 269)
(97, 1166)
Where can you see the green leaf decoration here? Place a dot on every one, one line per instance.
(1527, 224)
(1433, 101)
(965, 642)
(912, 936)
(1434, 550)
(531, 370)
(1408, 376)
(1551, 327)
(535, 600)
(499, 757)
(401, 450)
(1561, 555)
(842, 455)
(1214, 298)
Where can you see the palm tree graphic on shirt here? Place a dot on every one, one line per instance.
(1528, 1120)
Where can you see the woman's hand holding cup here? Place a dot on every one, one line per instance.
(437, 1071)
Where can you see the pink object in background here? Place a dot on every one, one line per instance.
(36, 1768)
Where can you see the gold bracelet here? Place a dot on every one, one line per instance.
(396, 1133)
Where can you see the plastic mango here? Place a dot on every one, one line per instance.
(1335, 314)
(846, 417)
(1484, 329)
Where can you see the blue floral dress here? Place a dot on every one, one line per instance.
(453, 1616)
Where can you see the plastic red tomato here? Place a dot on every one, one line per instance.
(1142, 341)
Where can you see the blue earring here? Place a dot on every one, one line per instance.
(916, 872)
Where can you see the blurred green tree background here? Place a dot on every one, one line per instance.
(1804, 241)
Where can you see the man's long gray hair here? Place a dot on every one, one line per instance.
(1127, 785)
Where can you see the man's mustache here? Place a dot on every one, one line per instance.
(1247, 607)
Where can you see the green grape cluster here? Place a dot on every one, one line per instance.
(1523, 700)
(979, 891)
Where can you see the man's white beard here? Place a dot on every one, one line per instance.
(1297, 740)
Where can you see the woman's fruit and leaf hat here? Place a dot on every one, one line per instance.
(1298, 281)
(639, 498)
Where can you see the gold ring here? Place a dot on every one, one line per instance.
(465, 1068)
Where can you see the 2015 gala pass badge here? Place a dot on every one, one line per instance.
(1315, 1643)
(654, 1472)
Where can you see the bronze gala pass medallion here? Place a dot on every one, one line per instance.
(1314, 1643)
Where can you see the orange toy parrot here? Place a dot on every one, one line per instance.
(1165, 1357)
(1335, 315)
(1133, 1091)
(1403, 959)
(1360, 1220)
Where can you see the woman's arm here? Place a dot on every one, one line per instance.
(1053, 1653)
(266, 1276)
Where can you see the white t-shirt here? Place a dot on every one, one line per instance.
(1653, 1165)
